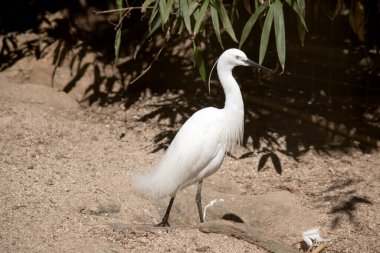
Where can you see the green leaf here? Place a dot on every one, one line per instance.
(279, 30)
(117, 43)
(257, 4)
(192, 7)
(265, 34)
(234, 11)
(165, 9)
(119, 5)
(153, 15)
(225, 19)
(199, 62)
(184, 7)
(145, 5)
(164, 12)
(300, 27)
(296, 8)
(156, 24)
(170, 5)
(251, 22)
(215, 24)
(181, 26)
(247, 6)
(196, 14)
(201, 15)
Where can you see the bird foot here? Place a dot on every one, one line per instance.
(163, 223)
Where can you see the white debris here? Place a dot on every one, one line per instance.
(212, 202)
(312, 238)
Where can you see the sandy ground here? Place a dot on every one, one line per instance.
(65, 183)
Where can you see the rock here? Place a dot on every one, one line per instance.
(279, 213)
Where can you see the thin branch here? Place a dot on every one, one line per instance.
(122, 9)
(121, 18)
(319, 248)
(247, 233)
(148, 68)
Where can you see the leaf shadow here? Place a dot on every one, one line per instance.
(347, 208)
(275, 161)
(343, 200)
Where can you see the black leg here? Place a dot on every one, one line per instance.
(164, 222)
(198, 200)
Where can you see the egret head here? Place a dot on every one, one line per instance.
(231, 58)
(235, 57)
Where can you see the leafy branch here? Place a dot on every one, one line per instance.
(187, 18)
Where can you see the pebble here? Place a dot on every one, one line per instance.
(202, 249)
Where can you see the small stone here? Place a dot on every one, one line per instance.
(15, 207)
(202, 249)
(49, 181)
(30, 167)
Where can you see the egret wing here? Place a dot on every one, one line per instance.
(194, 147)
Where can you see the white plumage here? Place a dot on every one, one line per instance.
(198, 149)
(192, 155)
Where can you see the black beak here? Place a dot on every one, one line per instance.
(252, 63)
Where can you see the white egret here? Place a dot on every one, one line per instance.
(198, 149)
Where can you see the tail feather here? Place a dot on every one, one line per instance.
(168, 175)
(155, 185)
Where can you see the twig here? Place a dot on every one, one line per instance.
(147, 69)
(319, 249)
(122, 9)
(247, 233)
(121, 18)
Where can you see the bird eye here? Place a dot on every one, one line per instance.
(237, 57)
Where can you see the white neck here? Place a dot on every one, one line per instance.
(234, 100)
(233, 107)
